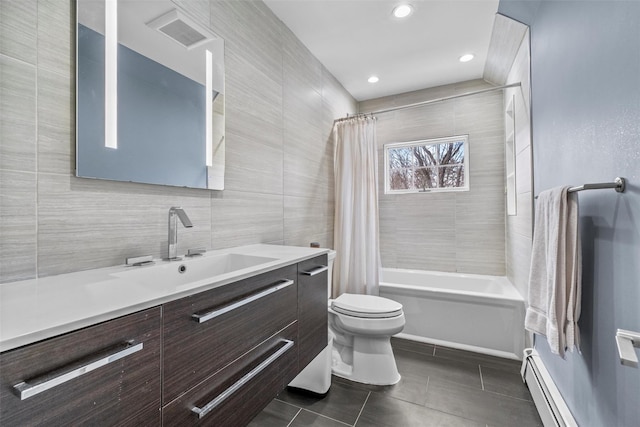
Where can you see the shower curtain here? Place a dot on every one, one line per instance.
(356, 239)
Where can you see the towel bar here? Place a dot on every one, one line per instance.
(618, 184)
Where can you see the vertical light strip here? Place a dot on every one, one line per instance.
(209, 108)
(111, 74)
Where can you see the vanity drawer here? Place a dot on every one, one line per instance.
(235, 395)
(233, 319)
(312, 308)
(107, 374)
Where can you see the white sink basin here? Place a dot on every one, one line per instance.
(177, 273)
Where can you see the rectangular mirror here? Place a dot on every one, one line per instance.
(150, 95)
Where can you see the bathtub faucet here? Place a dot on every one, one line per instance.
(175, 213)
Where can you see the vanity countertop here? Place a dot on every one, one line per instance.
(33, 310)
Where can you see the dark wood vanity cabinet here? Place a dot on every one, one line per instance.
(106, 374)
(312, 308)
(236, 394)
(215, 358)
(205, 332)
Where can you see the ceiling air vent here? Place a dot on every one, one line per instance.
(181, 29)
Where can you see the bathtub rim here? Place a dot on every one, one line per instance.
(512, 294)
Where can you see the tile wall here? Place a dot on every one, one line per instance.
(455, 231)
(280, 104)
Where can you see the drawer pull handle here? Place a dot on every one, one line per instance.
(45, 382)
(242, 381)
(201, 318)
(316, 270)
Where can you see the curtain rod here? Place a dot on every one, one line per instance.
(432, 101)
(353, 116)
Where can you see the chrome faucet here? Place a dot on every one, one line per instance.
(175, 213)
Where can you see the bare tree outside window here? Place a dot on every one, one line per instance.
(436, 164)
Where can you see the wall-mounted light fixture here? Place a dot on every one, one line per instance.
(111, 74)
(209, 108)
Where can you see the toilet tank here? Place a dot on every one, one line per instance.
(330, 256)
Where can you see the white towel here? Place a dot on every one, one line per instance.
(555, 278)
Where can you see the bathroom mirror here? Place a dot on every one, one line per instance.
(149, 95)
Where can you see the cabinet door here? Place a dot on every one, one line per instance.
(107, 374)
(205, 332)
(312, 308)
(236, 394)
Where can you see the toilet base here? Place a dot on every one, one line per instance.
(367, 360)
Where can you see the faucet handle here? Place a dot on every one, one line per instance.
(195, 252)
(139, 260)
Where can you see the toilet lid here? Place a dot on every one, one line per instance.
(366, 306)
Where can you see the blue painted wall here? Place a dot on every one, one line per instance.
(161, 120)
(585, 63)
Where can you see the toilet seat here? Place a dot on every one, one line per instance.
(366, 306)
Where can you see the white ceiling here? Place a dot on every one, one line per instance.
(355, 39)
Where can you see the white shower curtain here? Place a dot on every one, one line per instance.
(356, 239)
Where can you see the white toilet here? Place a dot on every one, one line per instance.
(359, 348)
(362, 326)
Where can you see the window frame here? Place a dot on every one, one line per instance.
(422, 142)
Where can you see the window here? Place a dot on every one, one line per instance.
(429, 165)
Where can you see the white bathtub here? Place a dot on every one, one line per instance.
(466, 311)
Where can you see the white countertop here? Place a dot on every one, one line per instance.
(33, 310)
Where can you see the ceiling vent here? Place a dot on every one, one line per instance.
(181, 29)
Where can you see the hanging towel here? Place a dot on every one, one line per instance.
(556, 267)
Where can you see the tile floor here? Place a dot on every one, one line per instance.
(439, 387)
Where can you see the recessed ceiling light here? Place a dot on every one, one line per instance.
(373, 79)
(466, 58)
(402, 11)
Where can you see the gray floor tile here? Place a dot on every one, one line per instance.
(383, 411)
(440, 390)
(310, 419)
(410, 389)
(504, 382)
(424, 366)
(477, 358)
(342, 403)
(276, 414)
(481, 406)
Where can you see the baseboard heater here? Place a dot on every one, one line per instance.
(549, 402)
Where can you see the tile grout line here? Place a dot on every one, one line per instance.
(508, 396)
(294, 417)
(481, 379)
(18, 60)
(362, 409)
(324, 416)
(313, 412)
